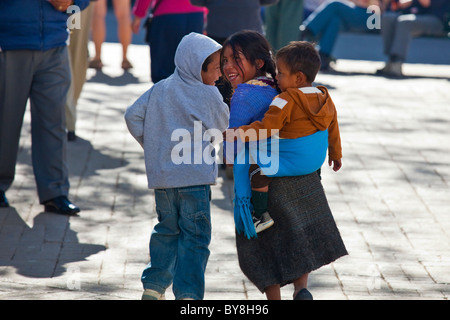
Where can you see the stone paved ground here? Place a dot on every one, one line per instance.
(390, 200)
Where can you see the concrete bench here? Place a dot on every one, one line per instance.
(369, 46)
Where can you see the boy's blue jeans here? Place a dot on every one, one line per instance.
(179, 242)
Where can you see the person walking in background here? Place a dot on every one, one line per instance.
(78, 54)
(226, 17)
(179, 242)
(122, 12)
(172, 20)
(34, 65)
(282, 21)
(412, 18)
(328, 20)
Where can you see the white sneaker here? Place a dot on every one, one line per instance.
(150, 294)
(264, 223)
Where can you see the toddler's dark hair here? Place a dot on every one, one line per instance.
(301, 56)
(253, 46)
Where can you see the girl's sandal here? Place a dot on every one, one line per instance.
(96, 64)
(126, 65)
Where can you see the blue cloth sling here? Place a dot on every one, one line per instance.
(276, 158)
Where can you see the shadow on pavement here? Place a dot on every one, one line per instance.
(41, 251)
(123, 80)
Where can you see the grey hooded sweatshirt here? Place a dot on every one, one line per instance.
(176, 120)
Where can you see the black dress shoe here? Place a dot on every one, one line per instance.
(61, 205)
(3, 201)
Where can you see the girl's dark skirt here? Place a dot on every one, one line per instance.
(303, 238)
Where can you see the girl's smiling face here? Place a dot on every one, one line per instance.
(236, 68)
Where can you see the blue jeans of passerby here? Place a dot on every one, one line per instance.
(332, 17)
(179, 242)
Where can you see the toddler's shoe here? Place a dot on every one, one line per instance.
(263, 223)
(150, 294)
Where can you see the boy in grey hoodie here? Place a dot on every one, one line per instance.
(176, 122)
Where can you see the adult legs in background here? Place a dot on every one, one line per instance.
(282, 20)
(44, 77)
(98, 32)
(388, 21)
(328, 20)
(15, 84)
(78, 52)
(123, 15)
(48, 95)
(165, 35)
(397, 32)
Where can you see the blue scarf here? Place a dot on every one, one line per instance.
(276, 158)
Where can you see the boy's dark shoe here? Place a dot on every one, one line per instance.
(3, 200)
(61, 205)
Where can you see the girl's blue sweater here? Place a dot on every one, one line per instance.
(249, 103)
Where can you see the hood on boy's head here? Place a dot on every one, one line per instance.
(192, 51)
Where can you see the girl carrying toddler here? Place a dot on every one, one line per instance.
(304, 236)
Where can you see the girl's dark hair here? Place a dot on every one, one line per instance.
(253, 46)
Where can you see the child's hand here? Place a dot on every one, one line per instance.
(337, 164)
